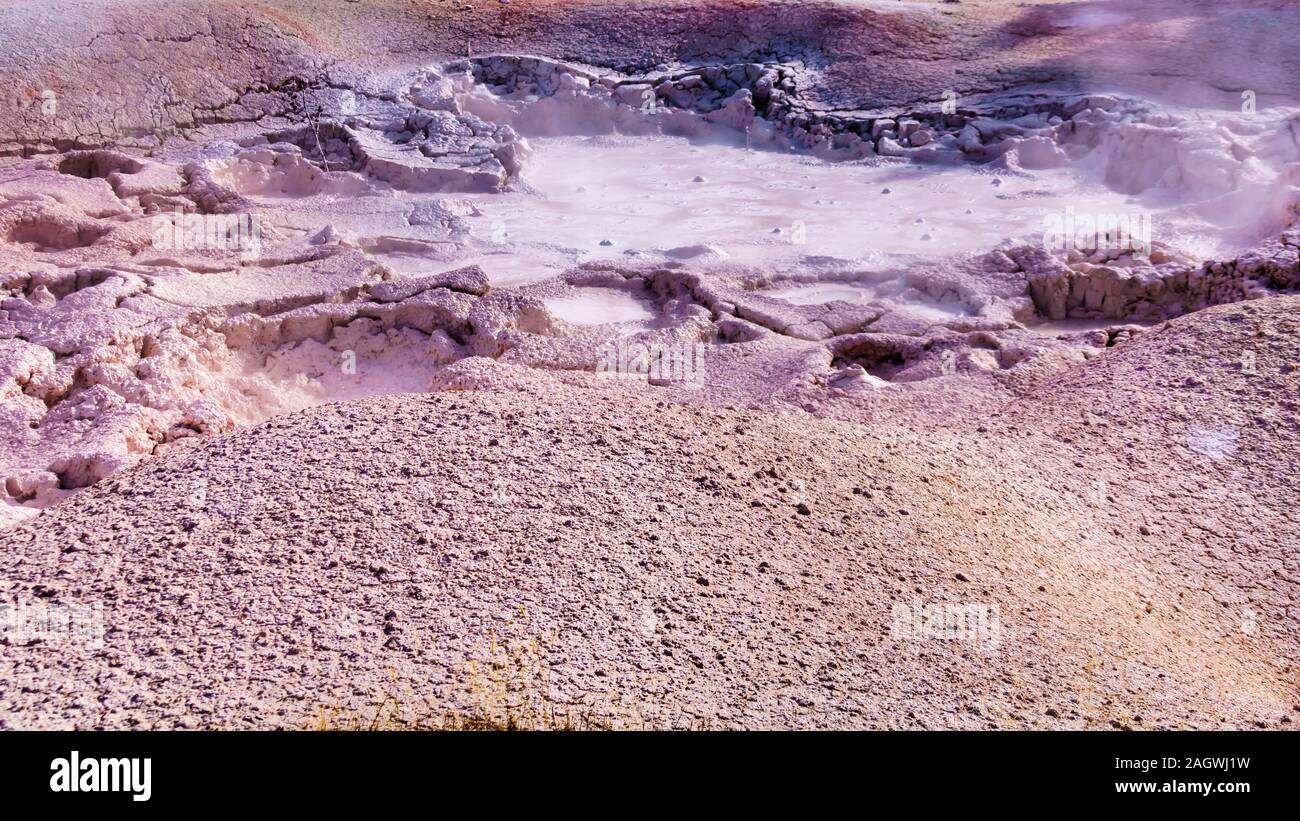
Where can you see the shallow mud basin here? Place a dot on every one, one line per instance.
(599, 306)
(614, 197)
(909, 304)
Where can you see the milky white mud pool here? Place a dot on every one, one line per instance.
(618, 197)
(598, 306)
(918, 308)
(819, 294)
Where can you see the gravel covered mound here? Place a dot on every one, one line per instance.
(669, 565)
(1192, 430)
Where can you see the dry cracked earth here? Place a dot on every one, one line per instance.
(664, 365)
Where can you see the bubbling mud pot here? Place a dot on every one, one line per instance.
(746, 227)
(563, 197)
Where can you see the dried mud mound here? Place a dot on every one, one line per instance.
(674, 566)
(1193, 426)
